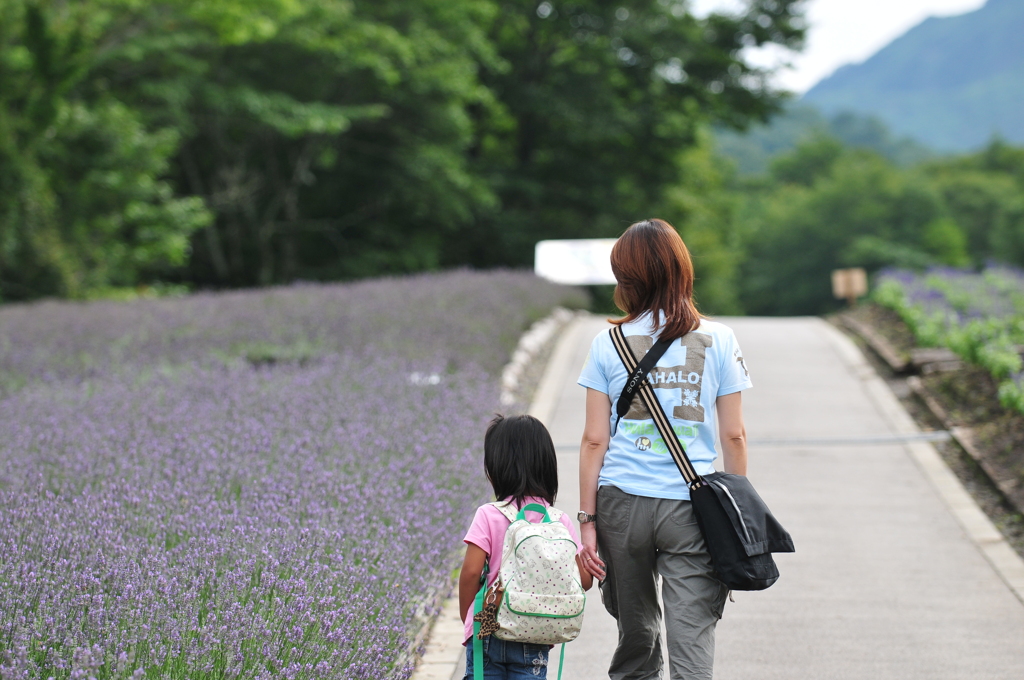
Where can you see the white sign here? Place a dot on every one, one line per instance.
(576, 261)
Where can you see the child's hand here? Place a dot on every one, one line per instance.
(594, 564)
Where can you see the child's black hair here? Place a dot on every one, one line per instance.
(519, 458)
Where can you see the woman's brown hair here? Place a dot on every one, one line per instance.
(655, 274)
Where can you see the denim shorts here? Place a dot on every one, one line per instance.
(510, 660)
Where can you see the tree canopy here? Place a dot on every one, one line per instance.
(826, 205)
(250, 142)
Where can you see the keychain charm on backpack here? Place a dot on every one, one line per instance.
(488, 616)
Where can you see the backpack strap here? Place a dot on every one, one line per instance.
(478, 645)
(506, 509)
(512, 514)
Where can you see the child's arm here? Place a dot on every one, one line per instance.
(469, 579)
(586, 579)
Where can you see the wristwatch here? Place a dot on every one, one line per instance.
(584, 517)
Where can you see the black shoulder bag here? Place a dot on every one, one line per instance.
(740, 531)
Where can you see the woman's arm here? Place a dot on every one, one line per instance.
(732, 432)
(469, 578)
(596, 435)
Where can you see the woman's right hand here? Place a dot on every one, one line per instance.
(594, 564)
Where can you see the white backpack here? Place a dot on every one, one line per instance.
(543, 600)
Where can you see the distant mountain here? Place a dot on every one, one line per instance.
(753, 150)
(952, 83)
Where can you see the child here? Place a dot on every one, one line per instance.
(520, 463)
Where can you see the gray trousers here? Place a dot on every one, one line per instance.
(640, 539)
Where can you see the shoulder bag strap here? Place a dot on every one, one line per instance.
(661, 421)
(637, 372)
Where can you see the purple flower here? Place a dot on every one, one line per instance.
(244, 484)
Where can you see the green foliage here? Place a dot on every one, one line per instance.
(249, 142)
(812, 159)
(600, 100)
(704, 209)
(825, 207)
(985, 195)
(82, 199)
(753, 150)
(957, 312)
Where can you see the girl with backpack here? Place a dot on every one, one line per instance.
(522, 581)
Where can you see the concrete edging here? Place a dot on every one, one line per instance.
(444, 656)
(975, 523)
(555, 373)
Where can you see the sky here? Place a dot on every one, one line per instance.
(843, 32)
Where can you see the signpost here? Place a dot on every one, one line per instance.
(579, 262)
(849, 284)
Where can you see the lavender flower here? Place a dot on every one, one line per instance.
(247, 484)
(980, 316)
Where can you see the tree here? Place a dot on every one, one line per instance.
(985, 195)
(830, 207)
(82, 202)
(180, 111)
(250, 142)
(355, 168)
(705, 206)
(600, 101)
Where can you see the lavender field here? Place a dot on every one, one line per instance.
(980, 316)
(244, 485)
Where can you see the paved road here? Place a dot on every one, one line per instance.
(885, 583)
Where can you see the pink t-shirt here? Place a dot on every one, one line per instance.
(487, 532)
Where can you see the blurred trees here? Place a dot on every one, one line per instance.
(753, 149)
(826, 205)
(247, 142)
(985, 195)
(84, 200)
(599, 101)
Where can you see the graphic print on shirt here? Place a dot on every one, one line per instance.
(686, 378)
(743, 364)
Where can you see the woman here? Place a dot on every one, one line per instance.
(635, 519)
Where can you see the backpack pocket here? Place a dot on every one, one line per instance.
(540, 618)
(553, 606)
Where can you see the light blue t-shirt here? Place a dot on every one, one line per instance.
(697, 369)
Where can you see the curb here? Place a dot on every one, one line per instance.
(548, 391)
(442, 659)
(963, 436)
(527, 349)
(876, 342)
(444, 656)
(975, 523)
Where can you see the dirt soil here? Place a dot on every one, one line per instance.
(970, 397)
(888, 324)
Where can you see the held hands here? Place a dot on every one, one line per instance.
(594, 564)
